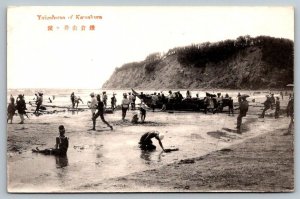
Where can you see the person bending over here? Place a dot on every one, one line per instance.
(146, 142)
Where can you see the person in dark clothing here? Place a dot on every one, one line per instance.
(73, 99)
(267, 105)
(38, 102)
(61, 145)
(113, 101)
(290, 113)
(239, 98)
(133, 102)
(143, 111)
(243, 112)
(100, 112)
(21, 107)
(281, 94)
(277, 108)
(104, 98)
(164, 101)
(272, 99)
(146, 142)
(11, 109)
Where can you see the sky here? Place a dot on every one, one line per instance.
(65, 58)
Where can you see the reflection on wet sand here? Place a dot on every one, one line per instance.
(61, 161)
(150, 156)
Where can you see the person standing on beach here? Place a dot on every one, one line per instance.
(113, 101)
(39, 102)
(281, 94)
(21, 107)
(104, 98)
(92, 104)
(290, 113)
(100, 108)
(130, 99)
(267, 105)
(164, 101)
(154, 101)
(143, 111)
(277, 108)
(188, 94)
(272, 99)
(61, 145)
(73, 99)
(124, 105)
(11, 109)
(133, 102)
(243, 112)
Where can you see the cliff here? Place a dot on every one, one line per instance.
(245, 63)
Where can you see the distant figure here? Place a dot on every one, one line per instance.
(272, 99)
(92, 104)
(113, 101)
(38, 102)
(164, 101)
(281, 94)
(146, 142)
(50, 101)
(73, 99)
(239, 98)
(77, 100)
(243, 112)
(21, 107)
(210, 105)
(180, 97)
(277, 108)
(154, 101)
(188, 94)
(100, 108)
(130, 99)
(230, 107)
(11, 109)
(197, 96)
(290, 113)
(133, 102)
(104, 99)
(61, 145)
(170, 97)
(125, 106)
(143, 111)
(267, 105)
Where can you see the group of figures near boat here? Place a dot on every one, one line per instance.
(98, 105)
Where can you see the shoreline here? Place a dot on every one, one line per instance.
(224, 170)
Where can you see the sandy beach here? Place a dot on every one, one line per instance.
(211, 157)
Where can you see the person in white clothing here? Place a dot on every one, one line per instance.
(125, 105)
(92, 104)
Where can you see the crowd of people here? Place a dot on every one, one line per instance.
(98, 107)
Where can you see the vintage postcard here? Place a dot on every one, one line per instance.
(150, 99)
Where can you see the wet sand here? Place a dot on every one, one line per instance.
(211, 156)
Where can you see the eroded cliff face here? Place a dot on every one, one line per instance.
(246, 69)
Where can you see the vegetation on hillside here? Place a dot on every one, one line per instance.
(276, 52)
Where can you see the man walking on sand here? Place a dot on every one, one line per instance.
(243, 112)
(100, 113)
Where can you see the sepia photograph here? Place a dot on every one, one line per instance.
(106, 99)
